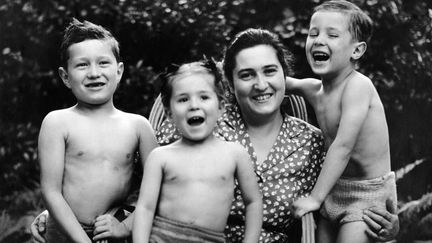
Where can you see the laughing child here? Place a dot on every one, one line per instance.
(188, 186)
(356, 173)
(86, 152)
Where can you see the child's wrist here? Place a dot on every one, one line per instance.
(127, 229)
(317, 197)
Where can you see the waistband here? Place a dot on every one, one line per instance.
(169, 224)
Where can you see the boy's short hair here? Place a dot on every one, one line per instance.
(254, 37)
(360, 24)
(206, 66)
(80, 31)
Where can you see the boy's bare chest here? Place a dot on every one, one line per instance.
(200, 169)
(328, 112)
(101, 142)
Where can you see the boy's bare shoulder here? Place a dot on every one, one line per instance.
(135, 119)
(235, 148)
(59, 116)
(359, 79)
(131, 116)
(162, 152)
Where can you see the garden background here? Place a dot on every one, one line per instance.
(153, 34)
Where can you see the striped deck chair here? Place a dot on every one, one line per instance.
(297, 108)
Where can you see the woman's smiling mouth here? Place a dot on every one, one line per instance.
(262, 97)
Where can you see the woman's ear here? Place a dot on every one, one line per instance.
(359, 50)
(64, 76)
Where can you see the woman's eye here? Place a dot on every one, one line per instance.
(205, 97)
(270, 71)
(246, 76)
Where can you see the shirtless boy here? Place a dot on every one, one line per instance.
(188, 186)
(86, 152)
(356, 172)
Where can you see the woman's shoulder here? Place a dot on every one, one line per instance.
(300, 125)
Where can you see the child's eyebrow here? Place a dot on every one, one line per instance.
(86, 57)
(331, 28)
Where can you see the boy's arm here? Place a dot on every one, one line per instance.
(147, 142)
(148, 198)
(251, 196)
(355, 106)
(51, 152)
(307, 87)
(147, 139)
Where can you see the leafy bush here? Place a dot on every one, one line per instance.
(155, 33)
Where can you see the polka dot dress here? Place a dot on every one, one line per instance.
(289, 171)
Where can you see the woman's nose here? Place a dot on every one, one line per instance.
(260, 83)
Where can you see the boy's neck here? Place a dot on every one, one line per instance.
(331, 81)
(192, 143)
(99, 109)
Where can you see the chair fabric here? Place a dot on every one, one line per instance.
(297, 108)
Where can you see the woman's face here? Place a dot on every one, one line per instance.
(259, 81)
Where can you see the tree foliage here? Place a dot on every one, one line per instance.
(153, 34)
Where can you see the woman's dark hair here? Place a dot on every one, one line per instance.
(250, 38)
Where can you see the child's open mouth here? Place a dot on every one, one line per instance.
(320, 56)
(195, 120)
(95, 84)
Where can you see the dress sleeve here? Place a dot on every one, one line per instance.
(167, 133)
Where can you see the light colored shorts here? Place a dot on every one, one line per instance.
(349, 198)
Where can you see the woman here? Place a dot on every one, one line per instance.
(287, 153)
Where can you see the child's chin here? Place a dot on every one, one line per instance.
(319, 71)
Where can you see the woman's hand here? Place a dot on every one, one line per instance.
(38, 227)
(383, 225)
